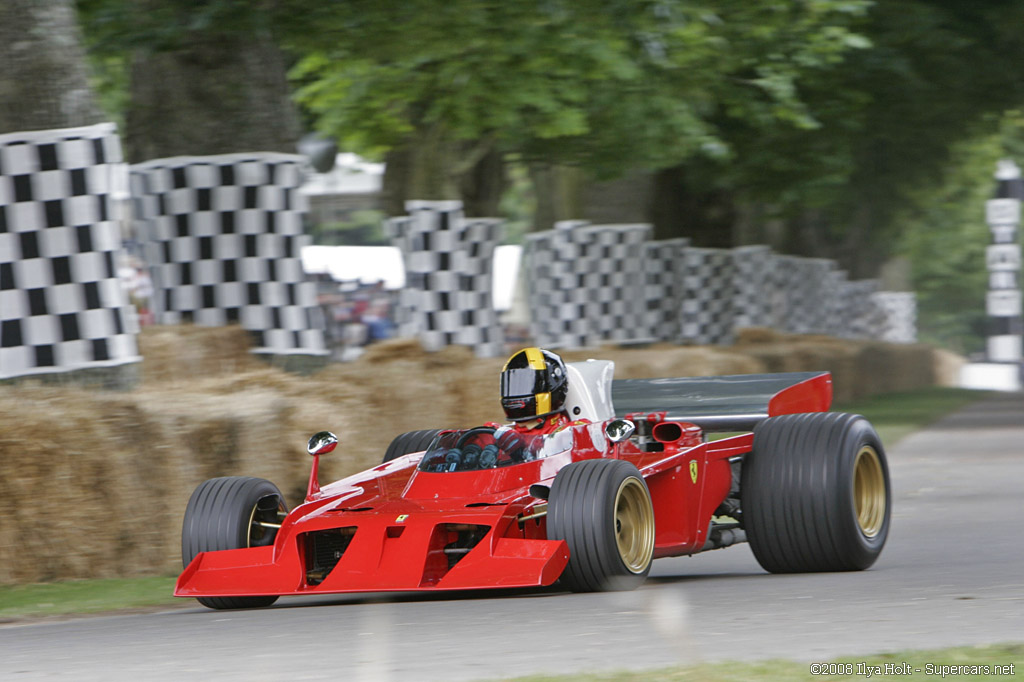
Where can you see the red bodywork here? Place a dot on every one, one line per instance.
(391, 528)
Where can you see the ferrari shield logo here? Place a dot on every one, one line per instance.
(693, 470)
(401, 518)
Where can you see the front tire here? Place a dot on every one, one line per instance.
(816, 494)
(227, 513)
(602, 509)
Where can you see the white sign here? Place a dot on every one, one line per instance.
(1002, 211)
(1003, 303)
(1004, 234)
(1003, 279)
(1003, 256)
(1006, 349)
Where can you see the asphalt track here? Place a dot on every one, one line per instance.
(951, 574)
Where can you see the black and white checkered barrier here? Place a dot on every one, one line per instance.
(708, 294)
(898, 316)
(1003, 257)
(447, 299)
(222, 238)
(588, 284)
(694, 295)
(862, 318)
(664, 288)
(806, 289)
(556, 296)
(62, 307)
(757, 299)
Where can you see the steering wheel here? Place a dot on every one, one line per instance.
(477, 431)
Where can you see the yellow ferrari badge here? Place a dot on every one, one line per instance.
(401, 518)
(693, 470)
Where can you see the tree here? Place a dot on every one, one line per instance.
(945, 236)
(45, 80)
(886, 119)
(604, 85)
(202, 78)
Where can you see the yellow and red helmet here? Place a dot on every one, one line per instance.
(533, 384)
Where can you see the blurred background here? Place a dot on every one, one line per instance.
(864, 132)
(257, 165)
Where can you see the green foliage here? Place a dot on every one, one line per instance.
(119, 26)
(518, 203)
(607, 84)
(945, 235)
(366, 228)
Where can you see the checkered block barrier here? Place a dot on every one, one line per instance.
(707, 310)
(62, 307)
(757, 299)
(664, 288)
(555, 280)
(615, 281)
(587, 284)
(448, 260)
(223, 238)
(807, 289)
(579, 293)
(899, 315)
(863, 319)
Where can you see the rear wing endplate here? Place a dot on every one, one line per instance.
(725, 403)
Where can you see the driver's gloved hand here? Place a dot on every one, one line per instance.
(453, 459)
(470, 455)
(508, 440)
(489, 456)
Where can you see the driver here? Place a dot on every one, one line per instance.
(534, 383)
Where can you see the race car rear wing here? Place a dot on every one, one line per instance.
(725, 403)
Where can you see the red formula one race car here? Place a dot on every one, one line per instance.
(591, 505)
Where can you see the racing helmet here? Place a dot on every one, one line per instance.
(533, 384)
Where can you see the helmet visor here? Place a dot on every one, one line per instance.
(521, 382)
(520, 408)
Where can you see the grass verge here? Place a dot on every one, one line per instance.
(982, 663)
(18, 602)
(896, 415)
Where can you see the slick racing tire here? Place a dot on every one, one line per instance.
(410, 441)
(602, 509)
(227, 513)
(815, 493)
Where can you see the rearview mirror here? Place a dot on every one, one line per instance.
(619, 430)
(321, 443)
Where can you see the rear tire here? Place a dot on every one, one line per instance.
(602, 509)
(223, 513)
(816, 494)
(410, 441)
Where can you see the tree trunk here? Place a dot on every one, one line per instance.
(684, 208)
(44, 81)
(558, 190)
(431, 167)
(624, 200)
(483, 186)
(220, 95)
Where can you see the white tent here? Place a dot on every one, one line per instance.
(371, 264)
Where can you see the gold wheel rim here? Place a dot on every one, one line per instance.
(256, 531)
(634, 525)
(869, 491)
